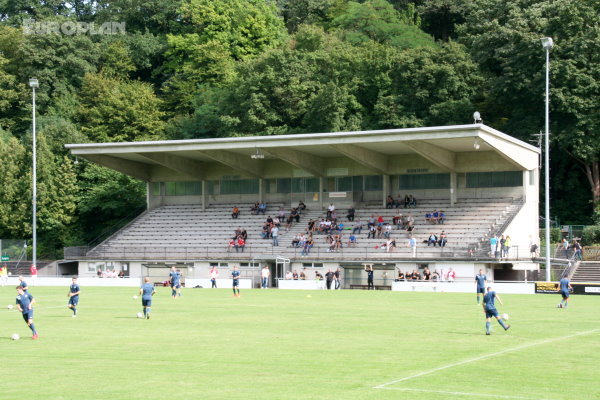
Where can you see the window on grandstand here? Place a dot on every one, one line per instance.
(155, 188)
(303, 185)
(219, 265)
(249, 265)
(312, 265)
(239, 186)
(183, 188)
(424, 181)
(284, 185)
(373, 183)
(494, 179)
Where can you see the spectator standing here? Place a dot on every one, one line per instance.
(33, 271)
(351, 212)
(338, 279)
(412, 243)
(329, 279)
(264, 274)
(275, 235)
(214, 274)
(370, 274)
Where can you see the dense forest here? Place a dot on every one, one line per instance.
(185, 69)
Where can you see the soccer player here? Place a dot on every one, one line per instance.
(73, 296)
(175, 281)
(235, 275)
(25, 302)
(22, 283)
(481, 280)
(147, 291)
(563, 288)
(490, 310)
(370, 272)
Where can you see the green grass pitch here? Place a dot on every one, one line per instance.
(275, 344)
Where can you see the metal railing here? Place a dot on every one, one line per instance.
(252, 252)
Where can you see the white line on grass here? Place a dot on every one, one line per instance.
(494, 396)
(483, 357)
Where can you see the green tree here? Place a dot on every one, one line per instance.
(112, 110)
(504, 40)
(377, 20)
(14, 216)
(107, 198)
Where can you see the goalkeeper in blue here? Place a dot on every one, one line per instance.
(490, 311)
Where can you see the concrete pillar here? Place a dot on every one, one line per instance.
(321, 193)
(525, 183)
(453, 188)
(204, 194)
(386, 189)
(148, 193)
(261, 189)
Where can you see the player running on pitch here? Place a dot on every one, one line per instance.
(25, 302)
(481, 280)
(564, 285)
(73, 296)
(235, 275)
(175, 278)
(490, 310)
(147, 291)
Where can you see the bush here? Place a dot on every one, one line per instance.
(590, 235)
(555, 235)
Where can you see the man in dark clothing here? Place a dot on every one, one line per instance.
(329, 279)
(370, 273)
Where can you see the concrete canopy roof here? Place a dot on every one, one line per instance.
(375, 151)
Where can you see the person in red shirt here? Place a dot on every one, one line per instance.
(240, 244)
(33, 272)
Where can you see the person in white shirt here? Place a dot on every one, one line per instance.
(214, 274)
(264, 274)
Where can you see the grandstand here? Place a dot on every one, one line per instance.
(490, 188)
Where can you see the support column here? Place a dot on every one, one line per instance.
(261, 190)
(321, 193)
(386, 189)
(525, 183)
(204, 195)
(453, 188)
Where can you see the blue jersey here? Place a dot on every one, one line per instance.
(175, 277)
(23, 284)
(481, 279)
(147, 289)
(74, 288)
(564, 285)
(235, 275)
(24, 300)
(488, 300)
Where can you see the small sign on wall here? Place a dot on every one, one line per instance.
(338, 195)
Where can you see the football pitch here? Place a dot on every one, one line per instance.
(275, 344)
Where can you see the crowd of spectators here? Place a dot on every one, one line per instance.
(426, 275)
(238, 240)
(407, 201)
(435, 217)
(437, 240)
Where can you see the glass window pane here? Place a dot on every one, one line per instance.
(311, 184)
(344, 184)
(374, 182)
(284, 185)
(155, 188)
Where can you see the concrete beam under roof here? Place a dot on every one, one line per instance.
(516, 155)
(299, 159)
(441, 157)
(135, 169)
(177, 163)
(371, 159)
(236, 161)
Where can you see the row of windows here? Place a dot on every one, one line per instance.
(341, 184)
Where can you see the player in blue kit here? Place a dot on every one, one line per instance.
(235, 275)
(147, 291)
(175, 277)
(481, 280)
(563, 288)
(25, 302)
(490, 310)
(73, 296)
(22, 283)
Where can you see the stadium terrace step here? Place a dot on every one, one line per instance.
(187, 231)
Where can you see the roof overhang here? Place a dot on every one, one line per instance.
(375, 151)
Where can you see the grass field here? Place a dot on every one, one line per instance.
(299, 345)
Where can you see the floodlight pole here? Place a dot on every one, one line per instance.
(547, 43)
(33, 83)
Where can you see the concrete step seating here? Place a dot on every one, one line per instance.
(171, 228)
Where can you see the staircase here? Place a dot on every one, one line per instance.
(587, 271)
(481, 247)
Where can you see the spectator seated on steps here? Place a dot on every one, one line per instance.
(235, 212)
